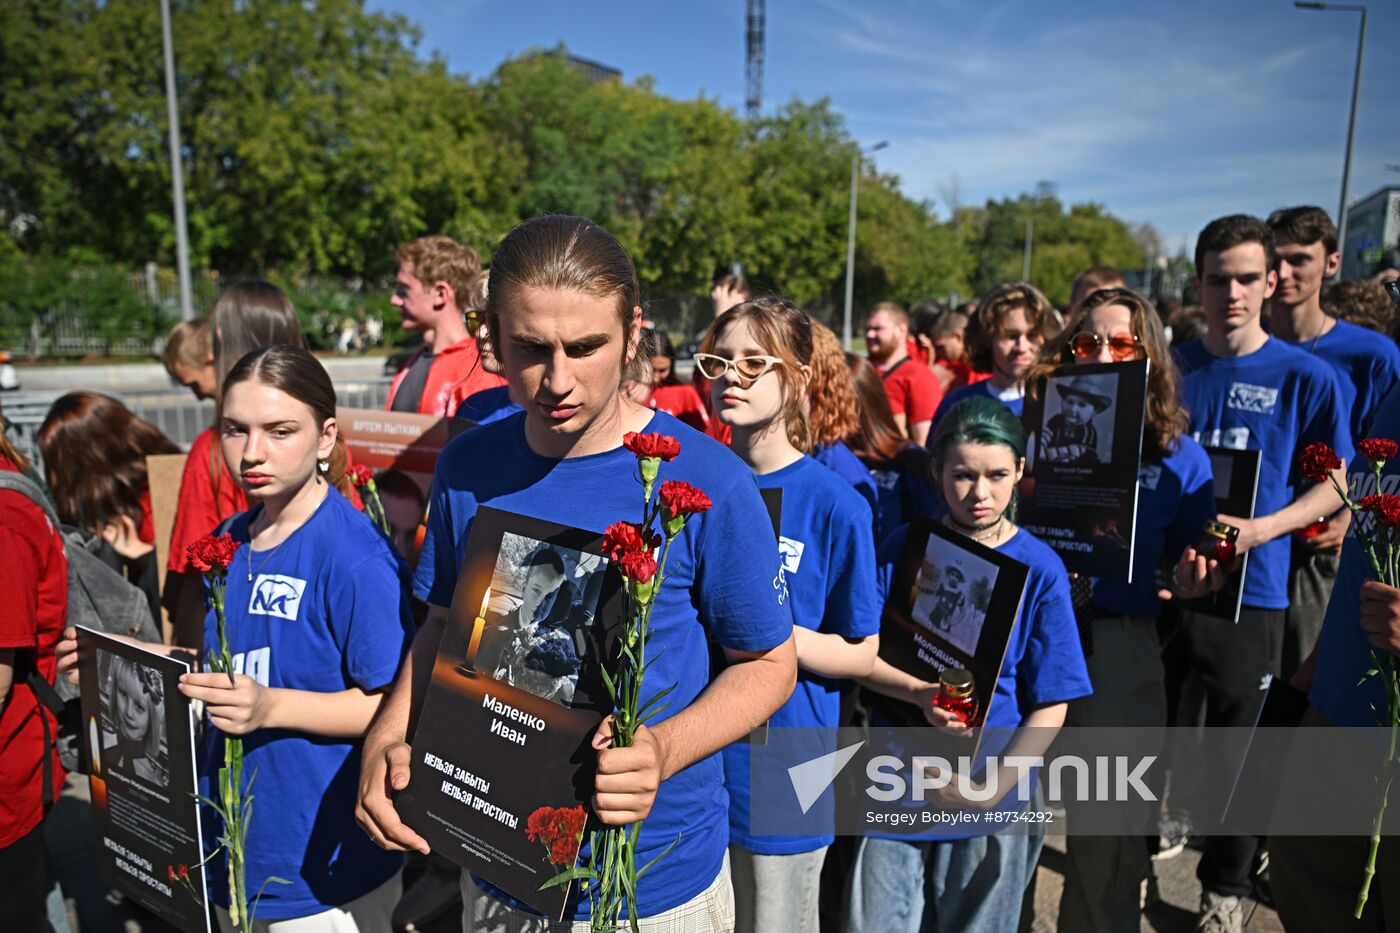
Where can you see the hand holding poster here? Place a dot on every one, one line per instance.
(502, 762)
(1236, 484)
(140, 737)
(953, 604)
(1083, 450)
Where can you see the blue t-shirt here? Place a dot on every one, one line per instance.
(327, 611)
(1044, 663)
(983, 389)
(1367, 365)
(715, 584)
(488, 405)
(901, 495)
(827, 578)
(1176, 497)
(1276, 400)
(838, 458)
(1343, 653)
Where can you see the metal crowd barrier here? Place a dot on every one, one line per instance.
(176, 412)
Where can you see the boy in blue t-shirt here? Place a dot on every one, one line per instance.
(1247, 391)
(1315, 878)
(1367, 366)
(563, 339)
(1004, 337)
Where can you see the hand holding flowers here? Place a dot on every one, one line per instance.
(631, 758)
(1377, 519)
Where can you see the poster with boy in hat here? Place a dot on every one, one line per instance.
(1070, 435)
(1084, 447)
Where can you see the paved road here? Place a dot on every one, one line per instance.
(149, 376)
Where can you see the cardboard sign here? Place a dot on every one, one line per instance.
(952, 603)
(1083, 452)
(515, 696)
(140, 758)
(1236, 486)
(403, 441)
(163, 473)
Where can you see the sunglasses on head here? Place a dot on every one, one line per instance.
(1121, 346)
(749, 368)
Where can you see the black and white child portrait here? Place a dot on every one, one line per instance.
(538, 624)
(133, 718)
(1079, 419)
(951, 594)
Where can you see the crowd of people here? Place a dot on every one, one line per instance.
(548, 355)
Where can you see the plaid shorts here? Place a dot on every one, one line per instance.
(710, 911)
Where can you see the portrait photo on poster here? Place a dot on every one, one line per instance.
(132, 704)
(539, 620)
(1078, 419)
(953, 589)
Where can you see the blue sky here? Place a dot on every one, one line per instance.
(1167, 112)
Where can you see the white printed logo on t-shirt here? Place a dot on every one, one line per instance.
(789, 559)
(276, 595)
(1230, 438)
(1149, 475)
(1257, 399)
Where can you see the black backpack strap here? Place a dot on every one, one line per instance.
(44, 691)
(49, 699)
(890, 372)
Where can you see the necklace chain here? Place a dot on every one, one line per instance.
(1327, 321)
(993, 532)
(272, 551)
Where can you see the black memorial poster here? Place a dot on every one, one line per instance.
(1236, 484)
(141, 763)
(502, 743)
(1083, 448)
(952, 603)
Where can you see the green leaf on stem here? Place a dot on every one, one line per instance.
(578, 872)
(647, 867)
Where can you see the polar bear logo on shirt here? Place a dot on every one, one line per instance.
(276, 595)
(1257, 399)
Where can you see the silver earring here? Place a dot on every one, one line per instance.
(324, 466)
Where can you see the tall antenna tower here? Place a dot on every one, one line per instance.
(753, 67)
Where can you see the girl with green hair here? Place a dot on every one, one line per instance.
(973, 877)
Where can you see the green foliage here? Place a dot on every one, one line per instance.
(1063, 244)
(316, 139)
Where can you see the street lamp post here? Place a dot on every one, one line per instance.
(851, 241)
(1351, 123)
(177, 180)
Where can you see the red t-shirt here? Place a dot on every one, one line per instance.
(682, 401)
(32, 616)
(912, 389)
(455, 375)
(199, 511)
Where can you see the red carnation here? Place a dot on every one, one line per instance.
(626, 536)
(571, 820)
(1386, 508)
(637, 565)
(1379, 449)
(563, 850)
(660, 446)
(170, 872)
(1318, 461)
(537, 824)
(183, 871)
(679, 498)
(211, 552)
(359, 475)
